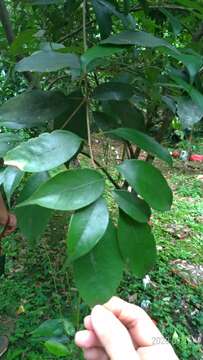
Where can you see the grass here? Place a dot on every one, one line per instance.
(39, 287)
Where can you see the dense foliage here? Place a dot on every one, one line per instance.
(70, 71)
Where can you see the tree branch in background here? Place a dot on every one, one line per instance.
(4, 17)
(7, 26)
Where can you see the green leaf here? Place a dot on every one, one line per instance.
(68, 327)
(137, 245)
(45, 152)
(175, 23)
(49, 46)
(196, 96)
(99, 52)
(148, 182)
(56, 348)
(23, 41)
(69, 190)
(139, 38)
(32, 220)
(113, 91)
(50, 328)
(104, 121)
(32, 108)
(7, 142)
(48, 61)
(145, 142)
(133, 206)
(193, 62)
(103, 16)
(125, 114)
(74, 116)
(12, 178)
(188, 112)
(99, 273)
(86, 228)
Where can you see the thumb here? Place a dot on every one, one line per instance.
(112, 334)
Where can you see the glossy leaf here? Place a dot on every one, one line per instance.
(113, 91)
(56, 348)
(104, 121)
(99, 52)
(133, 206)
(125, 114)
(48, 61)
(7, 142)
(139, 38)
(145, 142)
(188, 112)
(12, 178)
(69, 190)
(45, 152)
(148, 182)
(175, 23)
(32, 220)
(137, 245)
(103, 16)
(193, 62)
(32, 108)
(98, 273)
(86, 228)
(74, 116)
(196, 96)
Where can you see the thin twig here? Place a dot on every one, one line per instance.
(75, 32)
(56, 80)
(103, 169)
(74, 113)
(86, 84)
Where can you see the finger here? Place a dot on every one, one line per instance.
(158, 352)
(88, 323)
(87, 339)
(12, 221)
(95, 354)
(112, 334)
(139, 324)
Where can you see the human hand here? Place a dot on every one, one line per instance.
(9, 224)
(121, 331)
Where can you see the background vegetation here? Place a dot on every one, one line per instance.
(89, 90)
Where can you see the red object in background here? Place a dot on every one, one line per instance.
(196, 157)
(176, 154)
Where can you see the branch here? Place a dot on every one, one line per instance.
(7, 26)
(75, 32)
(50, 85)
(103, 169)
(73, 114)
(84, 15)
(4, 16)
